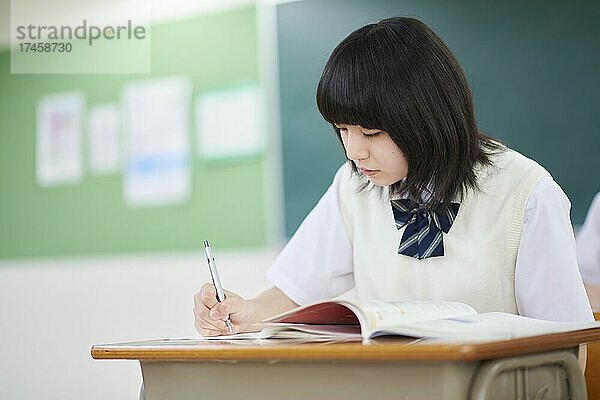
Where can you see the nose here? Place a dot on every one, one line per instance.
(356, 146)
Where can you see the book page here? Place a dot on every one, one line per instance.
(303, 331)
(487, 326)
(372, 315)
(296, 331)
(379, 315)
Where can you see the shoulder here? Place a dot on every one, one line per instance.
(592, 218)
(547, 198)
(594, 210)
(511, 161)
(506, 187)
(511, 170)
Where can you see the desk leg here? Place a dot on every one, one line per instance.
(533, 377)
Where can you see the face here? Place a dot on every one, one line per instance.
(374, 153)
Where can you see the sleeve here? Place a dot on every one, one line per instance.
(588, 244)
(547, 281)
(317, 262)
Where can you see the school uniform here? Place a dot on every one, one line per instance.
(588, 244)
(508, 247)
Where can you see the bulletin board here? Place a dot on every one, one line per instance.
(226, 205)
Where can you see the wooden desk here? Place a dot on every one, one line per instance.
(592, 370)
(543, 367)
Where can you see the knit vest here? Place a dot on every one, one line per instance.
(480, 250)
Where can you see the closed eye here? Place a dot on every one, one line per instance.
(372, 135)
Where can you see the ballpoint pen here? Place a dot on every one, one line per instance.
(214, 274)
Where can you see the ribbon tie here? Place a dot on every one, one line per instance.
(422, 237)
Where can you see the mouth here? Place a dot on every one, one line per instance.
(369, 172)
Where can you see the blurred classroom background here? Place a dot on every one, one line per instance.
(110, 181)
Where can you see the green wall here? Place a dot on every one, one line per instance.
(227, 204)
(533, 66)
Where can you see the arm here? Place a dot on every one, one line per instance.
(269, 303)
(547, 281)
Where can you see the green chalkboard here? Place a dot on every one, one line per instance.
(213, 51)
(533, 66)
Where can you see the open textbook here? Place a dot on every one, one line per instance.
(364, 319)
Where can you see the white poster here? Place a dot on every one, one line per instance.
(229, 123)
(105, 145)
(156, 124)
(58, 139)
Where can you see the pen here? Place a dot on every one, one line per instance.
(214, 274)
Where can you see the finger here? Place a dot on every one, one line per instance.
(207, 332)
(213, 326)
(204, 328)
(201, 314)
(203, 324)
(207, 295)
(231, 306)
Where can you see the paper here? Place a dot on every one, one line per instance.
(157, 167)
(105, 147)
(487, 326)
(58, 141)
(229, 123)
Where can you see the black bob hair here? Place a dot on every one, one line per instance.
(399, 76)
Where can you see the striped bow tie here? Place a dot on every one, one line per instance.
(422, 237)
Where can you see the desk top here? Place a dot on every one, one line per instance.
(381, 349)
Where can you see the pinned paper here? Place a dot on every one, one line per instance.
(58, 139)
(105, 143)
(157, 161)
(229, 123)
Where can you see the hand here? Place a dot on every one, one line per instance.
(210, 315)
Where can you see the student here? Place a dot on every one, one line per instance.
(427, 207)
(588, 245)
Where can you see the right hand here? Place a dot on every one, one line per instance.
(210, 315)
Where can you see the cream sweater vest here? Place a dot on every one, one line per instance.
(480, 250)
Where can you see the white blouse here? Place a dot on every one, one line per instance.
(588, 244)
(547, 280)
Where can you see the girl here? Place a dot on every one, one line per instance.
(427, 207)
